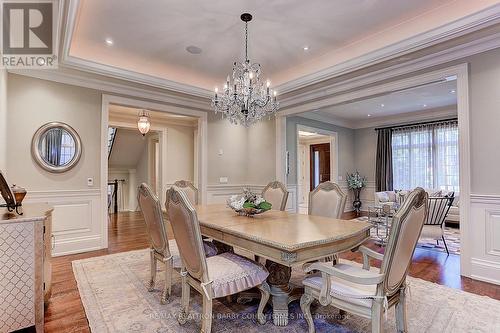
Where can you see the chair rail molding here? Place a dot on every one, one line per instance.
(76, 223)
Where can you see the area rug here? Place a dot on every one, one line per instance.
(452, 236)
(113, 292)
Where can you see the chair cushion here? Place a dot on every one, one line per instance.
(210, 248)
(345, 290)
(232, 274)
(432, 231)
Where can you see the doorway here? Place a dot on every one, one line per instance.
(319, 164)
(317, 161)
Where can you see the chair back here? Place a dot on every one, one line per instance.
(189, 189)
(406, 227)
(184, 222)
(327, 200)
(151, 211)
(276, 194)
(438, 209)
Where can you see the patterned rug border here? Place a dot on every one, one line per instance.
(96, 320)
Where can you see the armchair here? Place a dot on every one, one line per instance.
(369, 293)
(218, 276)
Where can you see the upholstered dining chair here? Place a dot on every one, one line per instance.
(189, 189)
(434, 224)
(327, 200)
(161, 249)
(157, 230)
(368, 292)
(276, 194)
(218, 276)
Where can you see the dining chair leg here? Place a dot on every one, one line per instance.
(377, 316)
(167, 288)
(305, 305)
(265, 292)
(401, 322)
(206, 323)
(152, 280)
(445, 246)
(186, 290)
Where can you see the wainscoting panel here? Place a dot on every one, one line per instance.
(484, 230)
(76, 225)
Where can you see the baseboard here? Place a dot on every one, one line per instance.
(76, 245)
(485, 270)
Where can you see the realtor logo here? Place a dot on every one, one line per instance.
(27, 35)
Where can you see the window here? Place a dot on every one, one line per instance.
(426, 156)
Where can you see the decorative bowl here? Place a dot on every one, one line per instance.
(250, 212)
(19, 193)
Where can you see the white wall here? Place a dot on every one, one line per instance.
(3, 119)
(32, 103)
(180, 153)
(484, 225)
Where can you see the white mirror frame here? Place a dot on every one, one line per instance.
(38, 157)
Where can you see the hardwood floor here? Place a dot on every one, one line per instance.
(65, 312)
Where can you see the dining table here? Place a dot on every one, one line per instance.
(285, 240)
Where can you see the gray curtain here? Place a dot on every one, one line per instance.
(383, 171)
(53, 142)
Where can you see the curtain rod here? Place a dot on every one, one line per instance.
(417, 124)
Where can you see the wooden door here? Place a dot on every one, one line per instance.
(320, 164)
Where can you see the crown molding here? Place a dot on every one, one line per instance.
(322, 95)
(407, 117)
(69, 61)
(117, 118)
(105, 84)
(329, 119)
(446, 32)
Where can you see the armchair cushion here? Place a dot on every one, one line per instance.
(346, 290)
(231, 274)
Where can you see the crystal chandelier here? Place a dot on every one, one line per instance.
(246, 99)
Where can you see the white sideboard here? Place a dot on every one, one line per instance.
(25, 267)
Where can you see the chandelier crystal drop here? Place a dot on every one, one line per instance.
(245, 98)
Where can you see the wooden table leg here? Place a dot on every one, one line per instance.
(281, 291)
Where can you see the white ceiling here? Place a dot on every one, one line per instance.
(416, 100)
(151, 36)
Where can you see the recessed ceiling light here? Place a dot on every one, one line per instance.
(109, 41)
(369, 115)
(382, 105)
(425, 105)
(306, 48)
(453, 91)
(194, 49)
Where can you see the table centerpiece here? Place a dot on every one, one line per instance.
(248, 203)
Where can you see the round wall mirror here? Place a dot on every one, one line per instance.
(56, 147)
